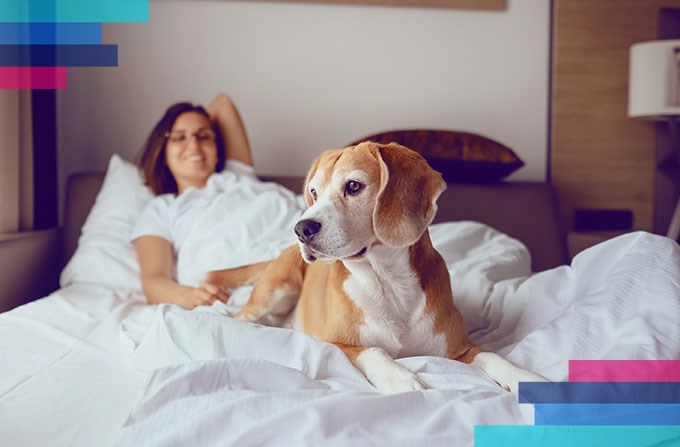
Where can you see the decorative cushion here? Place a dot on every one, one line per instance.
(461, 157)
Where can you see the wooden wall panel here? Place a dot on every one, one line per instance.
(461, 4)
(9, 161)
(600, 158)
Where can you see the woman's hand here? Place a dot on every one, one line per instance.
(156, 266)
(204, 295)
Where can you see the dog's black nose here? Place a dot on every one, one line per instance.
(306, 229)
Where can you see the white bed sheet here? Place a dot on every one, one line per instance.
(90, 365)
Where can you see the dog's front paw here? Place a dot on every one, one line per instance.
(386, 375)
(522, 375)
(504, 373)
(398, 382)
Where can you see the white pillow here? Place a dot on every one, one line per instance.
(105, 255)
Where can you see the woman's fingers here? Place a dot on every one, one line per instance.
(205, 295)
(215, 292)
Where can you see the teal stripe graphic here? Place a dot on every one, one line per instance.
(581, 436)
(93, 11)
(50, 33)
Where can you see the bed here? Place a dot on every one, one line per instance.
(93, 364)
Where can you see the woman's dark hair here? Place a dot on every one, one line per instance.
(151, 161)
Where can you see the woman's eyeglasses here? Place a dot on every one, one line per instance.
(183, 138)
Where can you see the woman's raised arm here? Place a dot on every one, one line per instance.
(223, 111)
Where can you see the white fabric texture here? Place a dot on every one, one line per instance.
(93, 364)
(170, 217)
(104, 256)
(219, 381)
(234, 220)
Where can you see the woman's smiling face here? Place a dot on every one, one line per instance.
(191, 151)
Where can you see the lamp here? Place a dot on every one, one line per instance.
(654, 94)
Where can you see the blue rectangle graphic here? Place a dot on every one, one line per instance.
(607, 414)
(92, 11)
(581, 436)
(599, 392)
(50, 33)
(58, 55)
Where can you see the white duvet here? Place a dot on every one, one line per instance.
(92, 365)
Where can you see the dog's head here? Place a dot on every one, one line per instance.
(366, 194)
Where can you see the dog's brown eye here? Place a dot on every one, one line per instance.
(353, 187)
(313, 193)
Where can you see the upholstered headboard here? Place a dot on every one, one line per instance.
(524, 210)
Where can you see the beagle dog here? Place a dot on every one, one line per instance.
(380, 290)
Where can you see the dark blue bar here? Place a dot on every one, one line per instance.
(58, 55)
(607, 414)
(50, 33)
(599, 392)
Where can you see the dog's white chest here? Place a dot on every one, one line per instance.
(393, 302)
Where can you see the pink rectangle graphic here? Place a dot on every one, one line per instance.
(624, 370)
(33, 78)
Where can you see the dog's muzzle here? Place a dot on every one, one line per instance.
(306, 230)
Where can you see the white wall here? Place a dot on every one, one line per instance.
(308, 77)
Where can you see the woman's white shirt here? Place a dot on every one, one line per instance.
(235, 219)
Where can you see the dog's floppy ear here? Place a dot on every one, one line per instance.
(407, 199)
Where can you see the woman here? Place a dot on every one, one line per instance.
(186, 147)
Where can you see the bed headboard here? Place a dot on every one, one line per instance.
(524, 210)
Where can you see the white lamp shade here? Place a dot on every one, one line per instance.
(654, 82)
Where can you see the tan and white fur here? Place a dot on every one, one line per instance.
(380, 291)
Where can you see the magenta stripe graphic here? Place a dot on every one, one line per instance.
(33, 78)
(624, 370)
